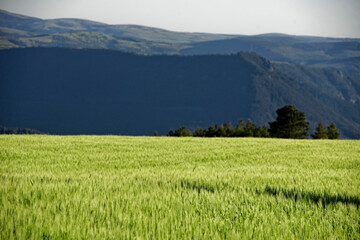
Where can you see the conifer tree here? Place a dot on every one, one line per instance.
(290, 123)
(332, 132)
(239, 130)
(249, 129)
(262, 132)
(182, 132)
(320, 132)
(199, 132)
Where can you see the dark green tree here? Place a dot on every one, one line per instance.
(6, 130)
(199, 132)
(229, 131)
(262, 132)
(332, 132)
(320, 132)
(221, 131)
(211, 132)
(290, 123)
(182, 132)
(239, 130)
(249, 129)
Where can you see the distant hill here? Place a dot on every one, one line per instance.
(67, 91)
(343, 54)
(23, 31)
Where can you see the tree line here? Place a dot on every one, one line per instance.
(7, 130)
(242, 129)
(290, 123)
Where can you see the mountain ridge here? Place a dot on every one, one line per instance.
(324, 52)
(326, 68)
(67, 91)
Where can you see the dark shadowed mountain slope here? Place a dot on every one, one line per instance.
(65, 91)
(332, 87)
(327, 82)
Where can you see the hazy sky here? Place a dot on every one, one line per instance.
(335, 18)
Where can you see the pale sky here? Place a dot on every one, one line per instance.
(331, 18)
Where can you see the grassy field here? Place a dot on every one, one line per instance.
(108, 187)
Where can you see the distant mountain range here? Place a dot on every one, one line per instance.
(23, 31)
(343, 54)
(65, 91)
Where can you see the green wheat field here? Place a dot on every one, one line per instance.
(111, 187)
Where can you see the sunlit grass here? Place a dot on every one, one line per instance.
(102, 187)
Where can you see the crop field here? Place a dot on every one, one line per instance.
(110, 187)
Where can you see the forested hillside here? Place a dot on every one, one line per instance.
(66, 91)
